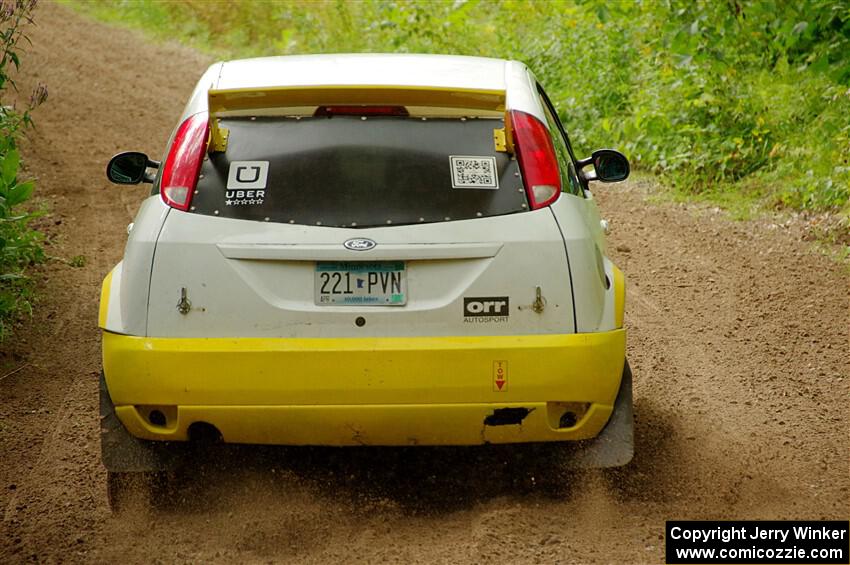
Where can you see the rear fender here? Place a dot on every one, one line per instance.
(121, 452)
(125, 290)
(598, 286)
(614, 446)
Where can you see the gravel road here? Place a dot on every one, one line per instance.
(738, 341)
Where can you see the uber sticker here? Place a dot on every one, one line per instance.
(486, 309)
(246, 183)
(474, 172)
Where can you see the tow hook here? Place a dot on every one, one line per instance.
(539, 302)
(184, 305)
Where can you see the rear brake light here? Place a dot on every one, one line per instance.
(181, 168)
(537, 159)
(361, 111)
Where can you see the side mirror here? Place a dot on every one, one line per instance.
(608, 166)
(130, 167)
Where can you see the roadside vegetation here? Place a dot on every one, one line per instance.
(739, 100)
(20, 245)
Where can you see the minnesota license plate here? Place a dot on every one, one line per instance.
(379, 283)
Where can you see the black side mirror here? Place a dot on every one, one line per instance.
(130, 167)
(608, 166)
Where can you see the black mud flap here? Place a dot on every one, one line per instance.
(121, 452)
(614, 446)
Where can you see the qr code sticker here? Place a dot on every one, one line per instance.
(474, 172)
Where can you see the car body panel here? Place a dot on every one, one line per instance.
(445, 71)
(593, 220)
(266, 287)
(126, 305)
(111, 287)
(385, 385)
(590, 271)
(378, 425)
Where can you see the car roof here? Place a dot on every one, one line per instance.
(445, 71)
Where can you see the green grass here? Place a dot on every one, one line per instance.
(78, 261)
(742, 103)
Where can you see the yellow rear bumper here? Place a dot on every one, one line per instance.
(365, 391)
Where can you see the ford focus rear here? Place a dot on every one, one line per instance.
(366, 250)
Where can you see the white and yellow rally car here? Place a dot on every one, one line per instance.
(365, 250)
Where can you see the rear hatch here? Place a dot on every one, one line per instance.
(360, 222)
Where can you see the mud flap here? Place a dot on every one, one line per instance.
(614, 446)
(124, 453)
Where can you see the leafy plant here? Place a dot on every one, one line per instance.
(714, 95)
(19, 244)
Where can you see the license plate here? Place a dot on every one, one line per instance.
(379, 283)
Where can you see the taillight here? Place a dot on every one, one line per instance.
(361, 111)
(183, 164)
(537, 159)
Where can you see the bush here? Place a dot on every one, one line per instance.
(19, 244)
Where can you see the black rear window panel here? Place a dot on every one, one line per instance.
(349, 172)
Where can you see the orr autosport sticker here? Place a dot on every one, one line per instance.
(478, 310)
(246, 183)
(474, 172)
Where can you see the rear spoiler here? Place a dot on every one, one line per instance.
(223, 102)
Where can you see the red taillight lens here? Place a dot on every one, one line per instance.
(537, 159)
(181, 168)
(361, 111)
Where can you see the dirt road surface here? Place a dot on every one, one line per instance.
(738, 341)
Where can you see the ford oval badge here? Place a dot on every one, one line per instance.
(359, 244)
